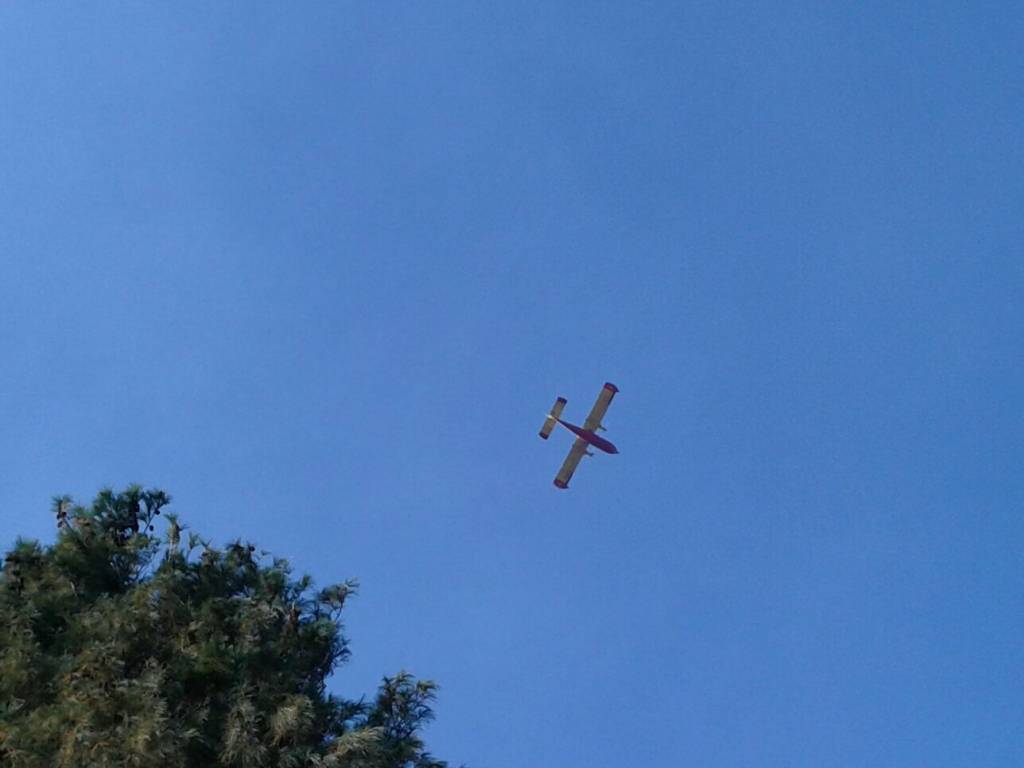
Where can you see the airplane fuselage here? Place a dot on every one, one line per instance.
(591, 437)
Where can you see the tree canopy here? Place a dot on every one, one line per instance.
(122, 648)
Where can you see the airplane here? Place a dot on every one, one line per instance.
(585, 435)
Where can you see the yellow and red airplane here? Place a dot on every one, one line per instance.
(585, 435)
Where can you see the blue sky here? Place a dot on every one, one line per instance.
(319, 271)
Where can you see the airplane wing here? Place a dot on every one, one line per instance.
(578, 450)
(604, 399)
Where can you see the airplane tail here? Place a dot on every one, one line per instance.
(552, 419)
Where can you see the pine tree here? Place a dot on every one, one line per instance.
(118, 648)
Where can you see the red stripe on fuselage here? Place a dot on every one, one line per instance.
(595, 440)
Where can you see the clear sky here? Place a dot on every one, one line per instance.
(318, 270)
